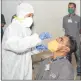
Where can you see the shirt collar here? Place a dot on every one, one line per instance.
(61, 57)
(71, 15)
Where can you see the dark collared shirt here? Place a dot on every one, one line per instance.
(72, 26)
(55, 69)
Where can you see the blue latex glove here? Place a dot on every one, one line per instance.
(45, 35)
(41, 48)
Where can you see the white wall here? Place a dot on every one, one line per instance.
(48, 14)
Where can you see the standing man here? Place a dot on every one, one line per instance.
(19, 44)
(71, 25)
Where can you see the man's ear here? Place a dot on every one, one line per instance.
(66, 49)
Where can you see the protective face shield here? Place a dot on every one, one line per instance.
(70, 10)
(27, 22)
(53, 46)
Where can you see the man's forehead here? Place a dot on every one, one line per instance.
(71, 5)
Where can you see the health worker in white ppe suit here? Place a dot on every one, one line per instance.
(19, 44)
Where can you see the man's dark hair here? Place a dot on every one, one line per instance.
(73, 44)
(73, 4)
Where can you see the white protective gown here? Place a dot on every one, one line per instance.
(16, 52)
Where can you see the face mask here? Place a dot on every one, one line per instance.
(27, 22)
(70, 10)
(53, 46)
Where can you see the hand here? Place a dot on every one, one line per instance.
(45, 35)
(41, 48)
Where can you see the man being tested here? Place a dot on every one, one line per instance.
(58, 67)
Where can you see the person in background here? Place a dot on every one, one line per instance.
(13, 17)
(3, 22)
(72, 26)
(57, 67)
(19, 43)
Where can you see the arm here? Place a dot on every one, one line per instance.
(80, 26)
(40, 48)
(20, 45)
